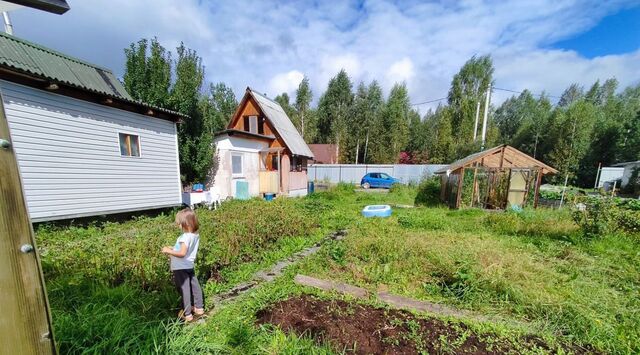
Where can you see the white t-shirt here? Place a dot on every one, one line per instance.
(192, 241)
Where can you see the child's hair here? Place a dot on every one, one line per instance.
(187, 220)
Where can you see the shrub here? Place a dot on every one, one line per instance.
(606, 215)
(428, 192)
(129, 252)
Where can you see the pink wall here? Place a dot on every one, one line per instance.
(297, 180)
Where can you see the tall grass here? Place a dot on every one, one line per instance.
(110, 291)
(533, 266)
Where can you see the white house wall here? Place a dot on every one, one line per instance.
(227, 146)
(69, 156)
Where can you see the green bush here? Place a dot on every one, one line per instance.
(606, 215)
(428, 192)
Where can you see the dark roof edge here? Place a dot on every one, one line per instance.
(137, 103)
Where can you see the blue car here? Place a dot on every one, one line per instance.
(378, 180)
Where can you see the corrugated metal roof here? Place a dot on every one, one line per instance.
(34, 59)
(30, 58)
(283, 125)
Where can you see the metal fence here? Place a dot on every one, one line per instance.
(353, 173)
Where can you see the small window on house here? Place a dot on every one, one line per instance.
(236, 165)
(253, 124)
(129, 145)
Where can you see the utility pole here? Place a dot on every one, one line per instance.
(475, 126)
(486, 113)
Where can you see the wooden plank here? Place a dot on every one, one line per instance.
(459, 192)
(538, 180)
(25, 321)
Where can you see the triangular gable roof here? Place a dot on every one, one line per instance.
(525, 160)
(279, 121)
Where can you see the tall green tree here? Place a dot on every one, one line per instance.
(572, 94)
(531, 134)
(358, 120)
(196, 151)
(333, 110)
(439, 136)
(217, 106)
(510, 116)
(304, 95)
(395, 122)
(571, 132)
(147, 76)
(284, 101)
(371, 126)
(468, 88)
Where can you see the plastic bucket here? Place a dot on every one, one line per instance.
(269, 197)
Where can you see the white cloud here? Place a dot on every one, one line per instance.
(285, 82)
(424, 43)
(400, 71)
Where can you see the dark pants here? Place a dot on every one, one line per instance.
(189, 288)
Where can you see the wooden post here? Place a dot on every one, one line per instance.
(473, 190)
(25, 321)
(538, 180)
(459, 192)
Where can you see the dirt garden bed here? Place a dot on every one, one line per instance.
(364, 329)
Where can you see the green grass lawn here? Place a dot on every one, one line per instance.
(531, 273)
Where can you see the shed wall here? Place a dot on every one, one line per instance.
(69, 156)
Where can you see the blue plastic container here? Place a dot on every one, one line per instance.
(377, 211)
(310, 187)
(269, 197)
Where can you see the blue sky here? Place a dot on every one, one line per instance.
(270, 45)
(618, 33)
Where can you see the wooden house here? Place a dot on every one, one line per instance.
(84, 146)
(495, 178)
(261, 152)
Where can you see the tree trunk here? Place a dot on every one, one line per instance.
(366, 145)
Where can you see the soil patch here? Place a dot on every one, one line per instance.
(363, 329)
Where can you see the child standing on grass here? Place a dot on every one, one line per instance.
(183, 256)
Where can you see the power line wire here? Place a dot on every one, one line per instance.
(428, 102)
(520, 92)
(494, 88)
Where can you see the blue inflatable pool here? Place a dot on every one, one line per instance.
(377, 211)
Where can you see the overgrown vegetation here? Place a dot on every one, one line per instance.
(428, 192)
(531, 272)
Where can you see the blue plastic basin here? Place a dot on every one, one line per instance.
(377, 211)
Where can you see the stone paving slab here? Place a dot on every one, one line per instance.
(416, 305)
(274, 272)
(332, 286)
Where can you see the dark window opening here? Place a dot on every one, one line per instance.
(246, 123)
(261, 125)
(298, 164)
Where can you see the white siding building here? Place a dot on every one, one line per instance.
(83, 154)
